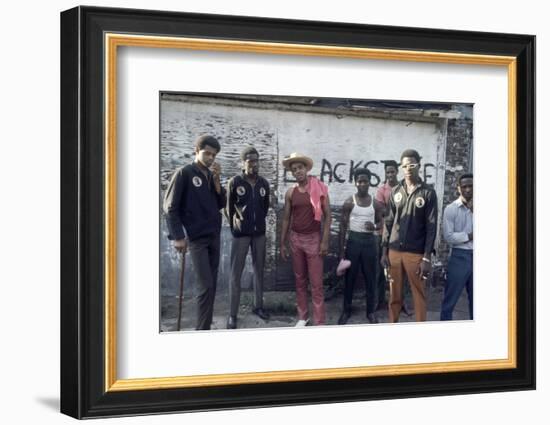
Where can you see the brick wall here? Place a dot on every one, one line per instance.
(458, 161)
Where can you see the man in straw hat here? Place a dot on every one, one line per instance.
(306, 205)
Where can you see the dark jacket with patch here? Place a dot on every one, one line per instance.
(411, 224)
(247, 206)
(192, 205)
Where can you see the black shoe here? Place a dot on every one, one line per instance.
(231, 322)
(382, 306)
(372, 318)
(261, 313)
(344, 317)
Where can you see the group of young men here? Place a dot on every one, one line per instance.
(389, 238)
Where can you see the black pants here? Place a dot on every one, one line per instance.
(380, 277)
(205, 254)
(362, 251)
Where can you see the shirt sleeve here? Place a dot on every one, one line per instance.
(452, 237)
(431, 222)
(173, 204)
(380, 195)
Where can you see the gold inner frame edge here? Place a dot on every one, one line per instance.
(113, 41)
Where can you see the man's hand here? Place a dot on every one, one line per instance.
(181, 245)
(216, 170)
(385, 261)
(323, 248)
(369, 226)
(284, 253)
(424, 269)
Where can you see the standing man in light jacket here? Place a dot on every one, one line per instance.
(458, 231)
(246, 210)
(192, 205)
(409, 235)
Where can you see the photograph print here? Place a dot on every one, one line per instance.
(284, 211)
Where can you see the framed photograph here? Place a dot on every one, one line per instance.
(245, 202)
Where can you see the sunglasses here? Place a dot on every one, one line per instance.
(410, 166)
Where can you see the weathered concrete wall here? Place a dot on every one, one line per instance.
(338, 140)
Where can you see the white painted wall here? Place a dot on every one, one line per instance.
(348, 141)
(337, 143)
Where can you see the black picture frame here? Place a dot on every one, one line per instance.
(83, 168)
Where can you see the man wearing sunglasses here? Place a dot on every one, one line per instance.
(409, 235)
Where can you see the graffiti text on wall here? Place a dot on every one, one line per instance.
(341, 172)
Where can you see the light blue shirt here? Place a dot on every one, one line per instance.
(457, 224)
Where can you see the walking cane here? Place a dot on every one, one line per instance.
(182, 272)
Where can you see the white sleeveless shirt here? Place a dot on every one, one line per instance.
(359, 216)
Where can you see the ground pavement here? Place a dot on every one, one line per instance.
(282, 308)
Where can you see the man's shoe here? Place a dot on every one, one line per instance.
(261, 313)
(372, 318)
(301, 323)
(231, 322)
(344, 317)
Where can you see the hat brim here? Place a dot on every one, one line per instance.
(303, 159)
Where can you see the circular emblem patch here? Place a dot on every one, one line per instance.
(241, 190)
(397, 197)
(262, 191)
(419, 202)
(197, 182)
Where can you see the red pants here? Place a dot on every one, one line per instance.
(308, 265)
(401, 263)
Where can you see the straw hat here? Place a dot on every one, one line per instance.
(297, 157)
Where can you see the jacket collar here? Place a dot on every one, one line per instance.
(198, 169)
(403, 185)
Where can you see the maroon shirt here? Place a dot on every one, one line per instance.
(302, 214)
